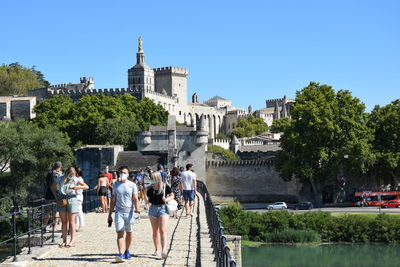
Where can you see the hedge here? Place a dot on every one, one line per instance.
(276, 226)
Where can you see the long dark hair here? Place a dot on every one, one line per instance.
(174, 171)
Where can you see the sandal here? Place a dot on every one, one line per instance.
(71, 245)
(61, 245)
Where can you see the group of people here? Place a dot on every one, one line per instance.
(124, 193)
(67, 190)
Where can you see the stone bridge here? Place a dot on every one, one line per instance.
(188, 239)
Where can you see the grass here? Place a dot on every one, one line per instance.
(248, 243)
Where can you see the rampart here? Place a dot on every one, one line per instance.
(77, 94)
(249, 181)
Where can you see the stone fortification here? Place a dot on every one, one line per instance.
(93, 158)
(168, 86)
(45, 93)
(249, 181)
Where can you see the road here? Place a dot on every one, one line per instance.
(338, 210)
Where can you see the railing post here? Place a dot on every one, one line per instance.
(15, 236)
(53, 214)
(28, 213)
(43, 226)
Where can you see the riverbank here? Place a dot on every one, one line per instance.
(314, 227)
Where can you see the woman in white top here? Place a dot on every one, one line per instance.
(79, 221)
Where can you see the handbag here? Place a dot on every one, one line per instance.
(62, 203)
(172, 205)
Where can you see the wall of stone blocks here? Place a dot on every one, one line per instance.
(249, 181)
(92, 159)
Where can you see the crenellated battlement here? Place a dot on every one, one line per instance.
(274, 100)
(251, 143)
(239, 163)
(172, 70)
(78, 93)
(224, 143)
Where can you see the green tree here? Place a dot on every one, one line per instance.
(248, 127)
(117, 131)
(100, 119)
(29, 152)
(16, 79)
(385, 122)
(327, 134)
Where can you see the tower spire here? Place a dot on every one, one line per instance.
(140, 53)
(140, 42)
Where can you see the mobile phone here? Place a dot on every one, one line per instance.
(109, 223)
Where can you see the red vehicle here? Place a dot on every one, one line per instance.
(391, 204)
(371, 198)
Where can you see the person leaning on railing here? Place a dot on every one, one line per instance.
(67, 203)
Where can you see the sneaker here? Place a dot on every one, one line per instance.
(127, 254)
(120, 258)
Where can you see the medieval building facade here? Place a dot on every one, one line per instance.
(168, 86)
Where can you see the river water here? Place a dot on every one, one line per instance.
(374, 255)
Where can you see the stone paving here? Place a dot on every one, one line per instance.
(96, 245)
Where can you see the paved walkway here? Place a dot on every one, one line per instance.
(96, 245)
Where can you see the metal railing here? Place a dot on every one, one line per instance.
(221, 250)
(30, 222)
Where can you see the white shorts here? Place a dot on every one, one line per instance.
(124, 221)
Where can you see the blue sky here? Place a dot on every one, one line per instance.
(247, 51)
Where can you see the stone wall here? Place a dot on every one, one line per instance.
(14, 107)
(91, 159)
(249, 181)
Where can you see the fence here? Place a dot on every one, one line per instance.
(30, 222)
(221, 249)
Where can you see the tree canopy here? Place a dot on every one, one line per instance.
(100, 119)
(16, 79)
(385, 122)
(327, 133)
(248, 127)
(29, 152)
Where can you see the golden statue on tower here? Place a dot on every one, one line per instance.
(140, 48)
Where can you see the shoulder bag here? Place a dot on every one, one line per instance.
(172, 205)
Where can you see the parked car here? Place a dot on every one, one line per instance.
(303, 206)
(277, 206)
(391, 204)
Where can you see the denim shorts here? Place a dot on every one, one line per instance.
(157, 211)
(72, 207)
(188, 195)
(124, 221)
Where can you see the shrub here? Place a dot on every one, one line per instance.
(294, 236)
(226, 153)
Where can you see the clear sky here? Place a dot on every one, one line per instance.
(246, 51)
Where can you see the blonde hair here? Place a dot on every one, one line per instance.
(69, 172)
(157, 176)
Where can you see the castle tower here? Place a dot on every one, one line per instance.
(172, 80)
(141, 76)
(234, 144)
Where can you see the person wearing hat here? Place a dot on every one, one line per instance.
(50, 194)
